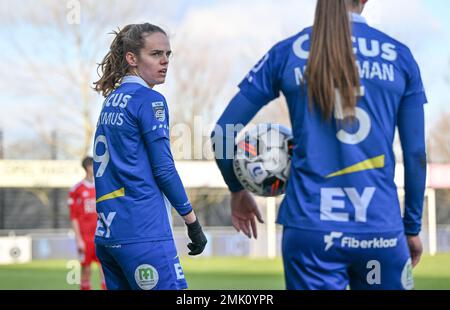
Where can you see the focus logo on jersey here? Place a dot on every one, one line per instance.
(374, 48)
(370, 49)
(146, 276)
(354, 243)
(114, 118)
(117, 100)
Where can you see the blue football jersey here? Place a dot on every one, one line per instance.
(130, 206)
(342, 173)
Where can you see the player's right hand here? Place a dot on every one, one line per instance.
(415, 249)
(198, 238)
(243, 212)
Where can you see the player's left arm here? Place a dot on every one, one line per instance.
(153, 121)
(74, 208)
(411, 127)
(81, 247)
(412, 137)
(236, 116)
(166, 175)
(259, 87)
(152, 116)
(169, 182)
(244, 209)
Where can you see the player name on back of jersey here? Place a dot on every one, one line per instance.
(368, 69)
(118, 101)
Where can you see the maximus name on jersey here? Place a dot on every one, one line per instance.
(113, 118)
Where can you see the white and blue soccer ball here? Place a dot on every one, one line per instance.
(263, 159)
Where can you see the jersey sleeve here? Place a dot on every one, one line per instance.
(238, 114)
(72, 202)
(411, 128)
(166, 175)
(414, 92)
(152, 117)
(261, 85)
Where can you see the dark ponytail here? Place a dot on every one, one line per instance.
(332, 62)
(114, 65)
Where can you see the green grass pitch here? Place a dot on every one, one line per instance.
(209, 273)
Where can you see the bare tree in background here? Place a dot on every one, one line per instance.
(439, 138)
(199, 76)
(53, 58)
(205, 78)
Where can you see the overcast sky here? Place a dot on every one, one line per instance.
(244, 30)
(255, 25)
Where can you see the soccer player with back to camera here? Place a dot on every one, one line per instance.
(134, 169)
(347, 87)
(84, 221)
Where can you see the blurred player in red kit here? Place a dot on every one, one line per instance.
(84, 221)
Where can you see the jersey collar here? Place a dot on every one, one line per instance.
(134, 79)
(356, 18)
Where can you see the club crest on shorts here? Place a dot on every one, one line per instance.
(159, 111)
(146, 276)
(407, 276)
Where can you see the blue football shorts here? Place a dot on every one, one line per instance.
(315, 260)
(142, 266)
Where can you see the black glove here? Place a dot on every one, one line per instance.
(197, 237)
